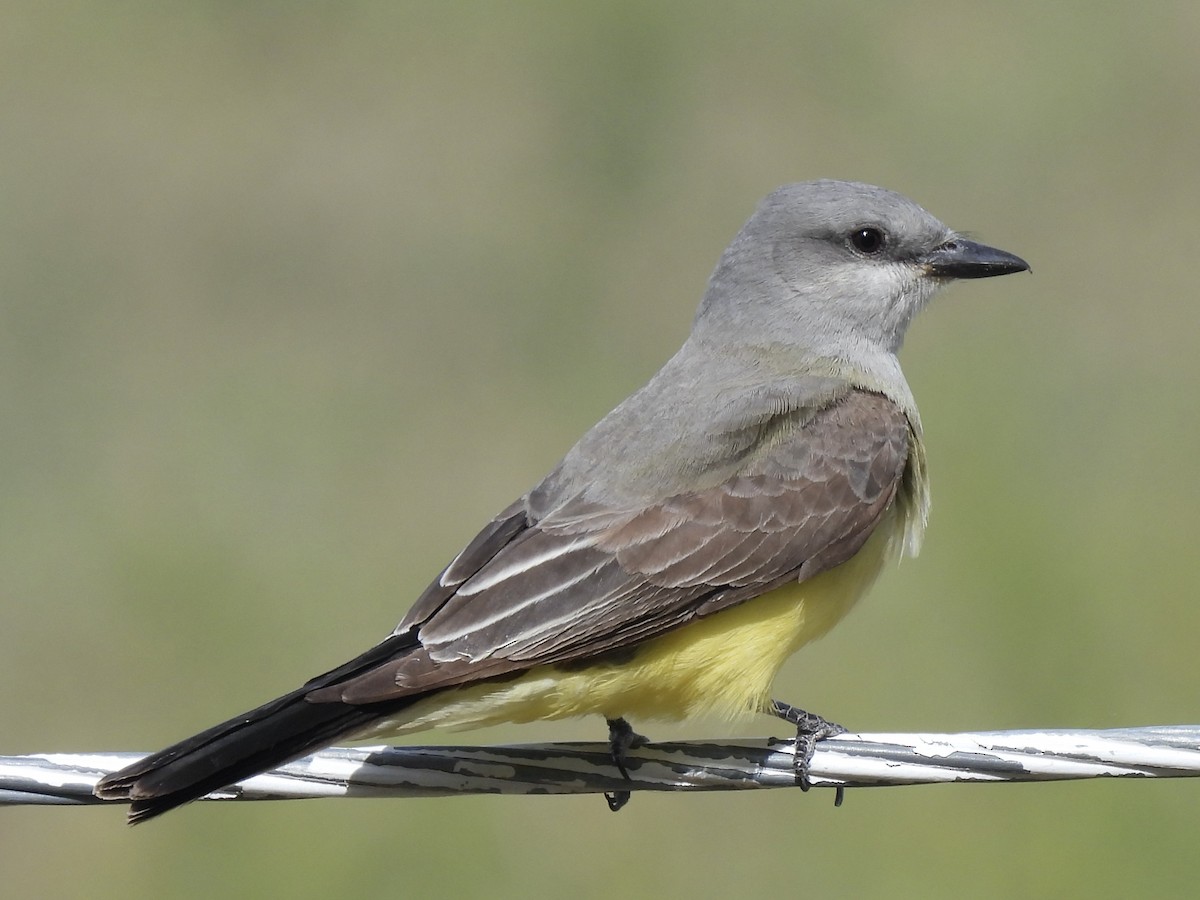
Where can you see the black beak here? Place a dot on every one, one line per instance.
(960, 258)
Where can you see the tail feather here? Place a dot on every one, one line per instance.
(275, 733)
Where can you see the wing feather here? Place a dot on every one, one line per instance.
(588, 579)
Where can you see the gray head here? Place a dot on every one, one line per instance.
(838, 268)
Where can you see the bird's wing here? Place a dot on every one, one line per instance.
(587, 579)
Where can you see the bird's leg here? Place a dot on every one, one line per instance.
(621, 739)
(810, 728)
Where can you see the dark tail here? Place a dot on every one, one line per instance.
(254, 742)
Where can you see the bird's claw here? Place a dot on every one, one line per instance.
(621, 739)
(810, 728)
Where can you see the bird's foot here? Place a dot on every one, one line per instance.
(810, 728)
(621, 739)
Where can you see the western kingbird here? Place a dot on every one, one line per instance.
(725, 514)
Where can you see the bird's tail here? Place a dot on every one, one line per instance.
(262, 739)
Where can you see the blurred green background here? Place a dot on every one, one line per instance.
(294, 296)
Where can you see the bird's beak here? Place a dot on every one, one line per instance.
(960, 258)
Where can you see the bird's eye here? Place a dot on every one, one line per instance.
(868, 240)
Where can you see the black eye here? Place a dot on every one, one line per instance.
(868, 239)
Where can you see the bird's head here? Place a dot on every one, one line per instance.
(838, 268)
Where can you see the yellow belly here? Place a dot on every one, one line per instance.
(721, 665)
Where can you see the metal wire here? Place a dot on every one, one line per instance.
(846, 761)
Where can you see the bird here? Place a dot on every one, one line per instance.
(728, 512)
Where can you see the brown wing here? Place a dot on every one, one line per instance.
(588, 579)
